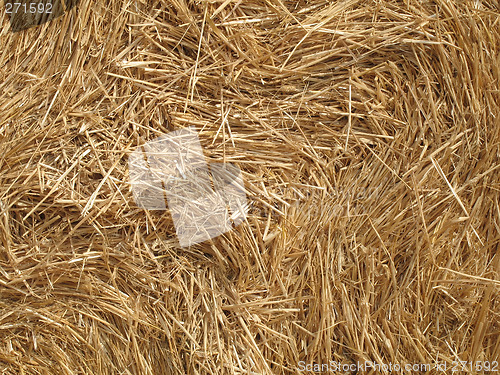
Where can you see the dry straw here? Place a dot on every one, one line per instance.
(368, 134)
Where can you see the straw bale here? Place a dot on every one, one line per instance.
(368, 134)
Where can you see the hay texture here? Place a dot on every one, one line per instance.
(368, 136)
